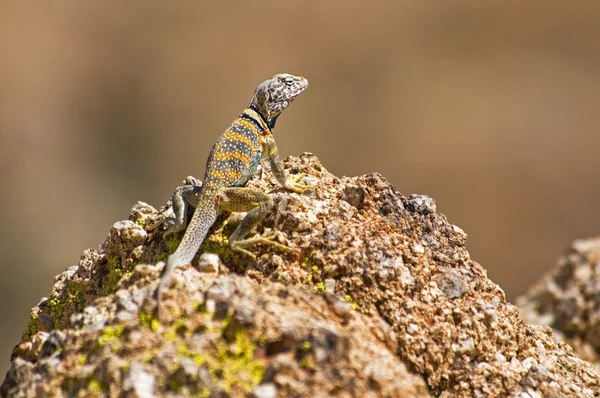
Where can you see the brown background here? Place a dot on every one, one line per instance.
(490, 107)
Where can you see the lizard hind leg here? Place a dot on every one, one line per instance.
(257, 204)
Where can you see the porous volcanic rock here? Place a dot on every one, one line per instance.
(380, 298)
(568, 300)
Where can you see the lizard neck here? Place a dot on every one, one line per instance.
(261, 118)
(269, 122)
(257, 117)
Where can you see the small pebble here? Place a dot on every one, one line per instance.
(209, 262)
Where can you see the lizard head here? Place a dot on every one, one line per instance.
(272, 96)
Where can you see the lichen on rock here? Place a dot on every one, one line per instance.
(381, 298)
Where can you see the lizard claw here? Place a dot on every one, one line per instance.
(267, 239)
(293, 185)
(270, 240)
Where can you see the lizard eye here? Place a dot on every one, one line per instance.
(288, 81)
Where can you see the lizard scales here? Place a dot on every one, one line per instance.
(232, 162)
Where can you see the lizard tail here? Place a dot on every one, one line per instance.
(204, 217)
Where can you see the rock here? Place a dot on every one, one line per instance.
(567, 300)
(139, 381)
(53, 344)
(421, 204)
(330, 285)
(453, 284)
(267, 390)
(209, 262)
(355, 195)
(371, 286)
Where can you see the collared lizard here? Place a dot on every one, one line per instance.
(232, 162)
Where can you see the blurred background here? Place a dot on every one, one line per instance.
(490, 107)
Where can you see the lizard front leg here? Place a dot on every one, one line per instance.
(257, 204)
(277, 167)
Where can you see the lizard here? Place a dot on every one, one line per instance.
(232, 162)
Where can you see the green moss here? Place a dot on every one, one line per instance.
(82, 359)
(218, 243)
(180, 327)
(200, 307)
(353, 304)
(171, 336)
(236, 366)
(178, 330)
(95, 386)
(57, 308)
(220, 247)
(148, 357)
(232, 366)
(115, 273)
(184, 350)
(148, 320)
(172, 243)
(305, 260)
(201, 329)
(319, 287)
(313, 277)
(173, 384)
(306, 345)
(76, 294)
(141, 222)
(32, 325)
(225, 324)
(111, 335)
(204, 393)
(305, 363)
(199, 359)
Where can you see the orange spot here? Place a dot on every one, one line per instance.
(247, 124)
(233, 155)
(226, 174)
(239, 137)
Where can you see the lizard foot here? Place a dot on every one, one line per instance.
(293, 185)
(267, 239)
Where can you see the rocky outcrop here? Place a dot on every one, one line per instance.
(567, 300)
(381, 298)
